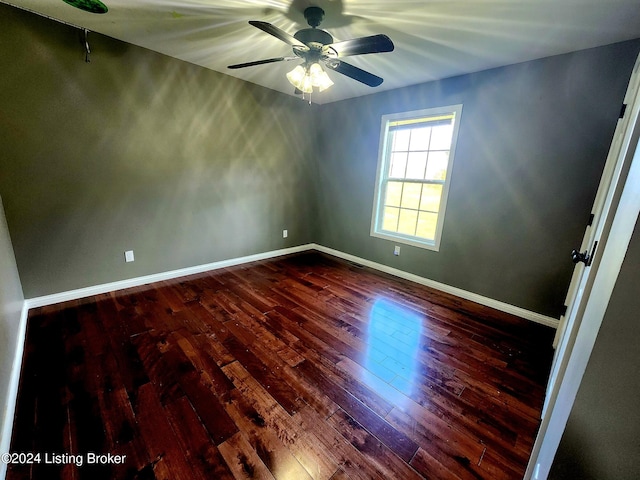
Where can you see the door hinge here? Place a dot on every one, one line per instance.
(593, 253)
(622, 110)
(591, 217)
(584, 257)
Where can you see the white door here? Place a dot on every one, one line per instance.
(618, 162)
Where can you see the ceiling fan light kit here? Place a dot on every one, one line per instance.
(305, 77)
(316, 47)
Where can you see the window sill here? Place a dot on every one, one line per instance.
(405, 240)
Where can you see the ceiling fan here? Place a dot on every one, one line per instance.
(315, 46)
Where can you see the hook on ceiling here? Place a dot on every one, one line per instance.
(87, 50)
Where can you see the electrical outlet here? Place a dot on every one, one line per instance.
(396, 250)
(285, 233)
(128, 256)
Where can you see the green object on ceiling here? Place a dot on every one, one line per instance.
(92, 6)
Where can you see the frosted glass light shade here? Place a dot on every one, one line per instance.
(319, 77)
(306, 85)
(305, 78)
(296, 76)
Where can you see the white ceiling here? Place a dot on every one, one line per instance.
(433, 39)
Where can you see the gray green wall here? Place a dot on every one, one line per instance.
(140, 151)
(11, 301)
(531, 147)
(602, 437)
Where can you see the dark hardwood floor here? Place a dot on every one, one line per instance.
(294, 368)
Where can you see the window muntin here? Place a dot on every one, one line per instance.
(414, 171)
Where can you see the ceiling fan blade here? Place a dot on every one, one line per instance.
(354, 72)
(278, 33)
(261, 62)
(359, 46)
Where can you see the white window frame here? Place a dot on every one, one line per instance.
(382, 177)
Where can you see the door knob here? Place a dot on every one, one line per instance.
(576, 256)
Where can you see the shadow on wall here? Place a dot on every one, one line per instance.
(575, 464)
(184, 165)
(516, 207)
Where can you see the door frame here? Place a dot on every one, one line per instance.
(579, 338)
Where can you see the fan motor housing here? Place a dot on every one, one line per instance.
(314, 16)
(313, 35)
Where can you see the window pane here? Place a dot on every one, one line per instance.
(427, 225)
(416, 165)
(441, 137)
(400, 140)
(398, 165)
(411, 195)
(407, 223)
(420, 138)
(430, 200)
(414, 170)
(394, 192)
(437, 165)
(390, 219)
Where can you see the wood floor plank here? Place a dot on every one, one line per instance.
(429, 467)
(307, 391)
(444, 444)
(272, 451)
(243, 460)
(303, 366)
(196, 442)
(386, 433)
(208, 407)
(265, 412)
(283, 319)
(168, 460)
(278, 388)
(340, 475)
(348, 457)
(372, 448)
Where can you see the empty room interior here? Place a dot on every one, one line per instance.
(227, 273)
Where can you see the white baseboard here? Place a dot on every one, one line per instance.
(474, 297)
(12, 391)
(138, 281)
(158, 277)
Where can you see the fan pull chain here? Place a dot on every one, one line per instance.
(86, 46)
(308, 98)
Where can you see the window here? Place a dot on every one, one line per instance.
(414, 172)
